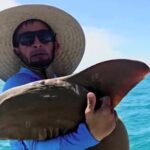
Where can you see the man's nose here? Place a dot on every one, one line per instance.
(37, 43)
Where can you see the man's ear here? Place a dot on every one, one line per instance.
(16, 51)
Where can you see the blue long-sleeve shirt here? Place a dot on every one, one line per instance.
(78, 140)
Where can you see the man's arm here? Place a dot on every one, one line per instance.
(100, 123)
(79, 139)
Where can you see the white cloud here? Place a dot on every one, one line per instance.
(8, 4)
(101, 45)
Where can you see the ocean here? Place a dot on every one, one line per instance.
(134, 110)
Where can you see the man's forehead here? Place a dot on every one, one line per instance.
(32, 26)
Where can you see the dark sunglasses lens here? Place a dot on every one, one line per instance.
(46, 36)
(26, 39)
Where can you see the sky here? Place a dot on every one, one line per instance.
(113, 29)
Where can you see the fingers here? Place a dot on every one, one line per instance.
(115, 115)
(106, 101)
(91, 102)
(107, 108)
(106, 105)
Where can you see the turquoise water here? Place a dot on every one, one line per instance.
(134, 110)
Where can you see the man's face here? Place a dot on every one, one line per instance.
(38, 53)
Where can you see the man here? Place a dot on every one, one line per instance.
(38, 45)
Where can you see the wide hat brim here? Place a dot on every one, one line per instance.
(69, 33)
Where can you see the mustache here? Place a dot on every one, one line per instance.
(37, 52)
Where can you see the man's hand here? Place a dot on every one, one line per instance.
(102, 121)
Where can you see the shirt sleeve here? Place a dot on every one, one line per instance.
(17, 80)
(79, 140)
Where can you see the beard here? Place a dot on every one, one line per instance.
(40, 64)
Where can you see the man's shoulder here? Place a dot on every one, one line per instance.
(20, 77)
(17, 80)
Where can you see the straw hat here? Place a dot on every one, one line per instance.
(69, 33)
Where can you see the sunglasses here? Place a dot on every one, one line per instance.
(44, 36)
